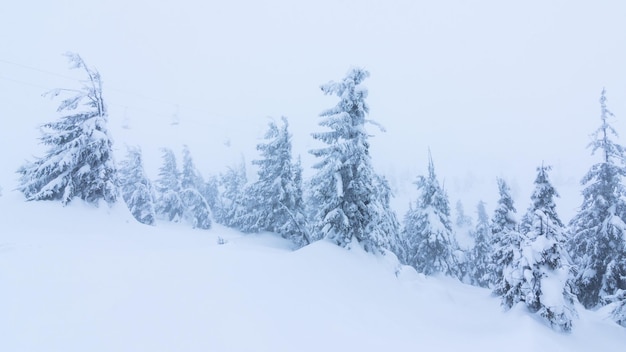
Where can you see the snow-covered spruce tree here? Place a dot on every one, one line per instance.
(135, 187)
(542, 271)
(196, 209)
(79, 162)
(343, 195)
(462, 220)
(274, 201)
(168, 202)
(479, 268)
(230, 203)
(619, 312)
(428, 229)
(597, 245)
(505, 238)
(388, 221)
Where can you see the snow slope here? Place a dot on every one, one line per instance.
(85, 279)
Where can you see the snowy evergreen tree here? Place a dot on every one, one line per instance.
(79, 162)
(135, 187)
(274, 201)
(196, 209)
(428, 229)
(343, 191)
(230, 203)
(388, 221)
(190, 177)
(618, 313)
(505, 238)
(539, 276)
(169, 203)
(462, 220)
(598, 231)
(479, 268)
(210, 192)
(299, 225)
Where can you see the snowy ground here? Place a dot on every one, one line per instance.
(85, 279)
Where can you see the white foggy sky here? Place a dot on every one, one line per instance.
(492, 87)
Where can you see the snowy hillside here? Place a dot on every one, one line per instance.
(78, 278)
(207, 180)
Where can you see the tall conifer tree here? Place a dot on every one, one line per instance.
(539, 273)
(598, 243)
(274, 201)
(428, 229)
(343, 191)
(79, 161)
(135, 187)
(480, 256)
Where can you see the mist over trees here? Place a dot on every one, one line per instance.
(537, 262)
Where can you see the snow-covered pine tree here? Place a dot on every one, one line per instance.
(343, 195)
(210, 192)
(505, 238)
(79, 162)
(135, 187)
(619, 311)
(479, 268)
(274, 201)
(597, 245)
(428, 229)
(388, 221)
(196, 209)
(168, 203)
(462, 220)
(542, 271)
(230, 202)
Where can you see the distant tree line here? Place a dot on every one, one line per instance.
(536, 260)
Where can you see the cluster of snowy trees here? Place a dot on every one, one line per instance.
(537, 261)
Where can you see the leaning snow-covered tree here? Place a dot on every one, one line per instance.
(598, 243)
(274, 201)
(196, 208)
(343, 191)
(168, 202)
(479, 268)
(79, 161)
(135, 187)
(428, 229)
(540, 276)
